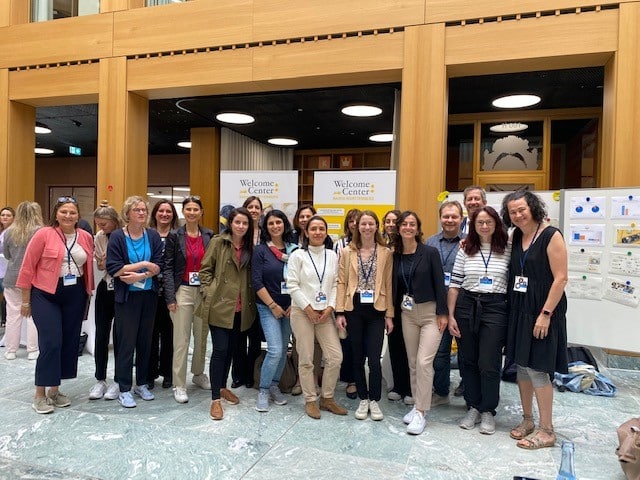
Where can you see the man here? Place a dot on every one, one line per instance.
(447, 242)
(474, 198)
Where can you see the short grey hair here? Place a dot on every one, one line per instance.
(129, 203)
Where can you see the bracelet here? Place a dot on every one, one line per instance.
(271, 305)
(26, 304)
(547, 313)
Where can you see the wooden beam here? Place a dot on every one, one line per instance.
(204, 168)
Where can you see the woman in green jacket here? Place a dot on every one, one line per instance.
(228, 300)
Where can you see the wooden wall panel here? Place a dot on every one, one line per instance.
(13, 12)
(204, 176)
(452, 10)
(545, 37)
(22, 141)
(65, 85)
(309, 17)
(200, 24)
(4, 134)
(62, 40)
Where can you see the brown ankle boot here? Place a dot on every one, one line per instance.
(312, 410)
(216, 412)
(330, 405)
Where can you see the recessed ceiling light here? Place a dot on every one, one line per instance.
(362, 110)
(43, 151)
(235, 118)
(185, 144)
(381, 137)
(42, 129)
(509, 127)
(516, 101)
(283, 142)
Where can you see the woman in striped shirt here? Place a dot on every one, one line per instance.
(477, 303)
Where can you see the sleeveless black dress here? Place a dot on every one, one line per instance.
(550, 353)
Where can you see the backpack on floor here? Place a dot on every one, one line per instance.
(581, 354)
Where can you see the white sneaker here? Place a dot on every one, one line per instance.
(487, 423)
(98, 390)
(470, 419)
(180, 394)
(393, 395)
(11, 356)
(408, 400)
(418, 422)
(409, 416)
(439, 400)
(202, 381)
(33, 355)
(113, 391)
(376, 413)
(362, 412)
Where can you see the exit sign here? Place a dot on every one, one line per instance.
(75, 150)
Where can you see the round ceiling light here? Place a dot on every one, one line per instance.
(43, 151)
(235, 117)
(184, 144)
(381, 137)
(42, 129)
(509, 127)
(283, 142)
(516, 101)
(361, 110)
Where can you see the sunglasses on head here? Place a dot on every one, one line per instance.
(67, 200)
(192, 197)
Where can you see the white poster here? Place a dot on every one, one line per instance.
(275, 188)
(585, 260)
(621, 291)
(584, 286)
(624, 263)
(586, 234)
(625, 207)
(587, 207)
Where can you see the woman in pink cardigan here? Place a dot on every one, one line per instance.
(56, 280)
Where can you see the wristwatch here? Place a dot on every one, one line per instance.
(547, 313)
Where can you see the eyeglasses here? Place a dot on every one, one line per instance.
(67, 200)
(488, 223)
(139, 210)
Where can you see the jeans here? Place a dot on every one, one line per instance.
(277, 332)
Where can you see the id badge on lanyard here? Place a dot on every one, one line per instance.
(194, 279)
(447, 279)
(486, 283)
(407, 302)
(284, 290)
(69, 279)
(520, 284)
(320, 301)
(110, 284)
(366, 296)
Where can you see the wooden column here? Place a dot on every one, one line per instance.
(14, 12)
(115, 5)
(423, 124)
(621, 105)
(204, 172)
(123, 126)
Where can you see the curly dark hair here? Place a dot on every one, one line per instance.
(287, 233)
(396, 241)
(535, 203)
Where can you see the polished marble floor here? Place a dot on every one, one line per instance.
(98, 439)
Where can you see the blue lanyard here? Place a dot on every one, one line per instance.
(69, 248)
(525, 253)
(486, 262)
(133, 245)
(324, 269)
(361, 263)
(407, 279)
(442, 257)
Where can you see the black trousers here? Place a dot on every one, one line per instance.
(482, 320)
(104, 313)
(133, 330)
(365, 325)
(225, 341)
(161, 356)
(398, 357)
(244, 357)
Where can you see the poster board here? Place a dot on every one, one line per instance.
(602, 231)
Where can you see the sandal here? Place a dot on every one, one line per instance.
(524, 428)
(534, 442)
(352, 391)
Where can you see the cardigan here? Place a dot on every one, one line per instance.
(303, 281)
(348, 271)
(14, 255)
(268, 272)
(44, 256)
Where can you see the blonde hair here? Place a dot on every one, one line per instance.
(27, 220)
(107, 212)
(128, 205)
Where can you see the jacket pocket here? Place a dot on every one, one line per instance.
(49, 260)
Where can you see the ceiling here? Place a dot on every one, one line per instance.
(313, 116)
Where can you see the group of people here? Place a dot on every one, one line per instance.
(487, 280)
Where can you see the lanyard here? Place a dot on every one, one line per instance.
(405, 277)
(486, 262)
(131, 243)
(442, 257)
(525, 253)
(361, 263)
(193, 249)
(324, 269)
(69, 248)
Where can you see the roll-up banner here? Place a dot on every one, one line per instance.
(335, 193)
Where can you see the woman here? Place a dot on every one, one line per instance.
(56, 279)
(312, 281)
(164, 219)
(228, 304)
(134, 258)
(7, 215)
(183, 253)
(389, 225)
(418, 288)
(537, 336)
(365, 307)
(348, 230)
(477, 301)
(28, 219)
(244, 358)
(107, 220)
(269, 273)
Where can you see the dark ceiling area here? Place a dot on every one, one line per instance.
(313, 117)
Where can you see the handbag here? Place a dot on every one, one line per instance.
(289, 374)
(628, 450)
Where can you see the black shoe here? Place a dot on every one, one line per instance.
(166, 382)
(354, 394)
(249, 384)
(459, 391)
(151, 385)
(236, 384)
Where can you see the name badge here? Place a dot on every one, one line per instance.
(407, 303)
(447, 278)
(140, 284)
(321, 300)
(284, 290)
(520, 284)
(194, 279)
(110, 284)
(486, 283)
(69, 279)
(366, 296)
